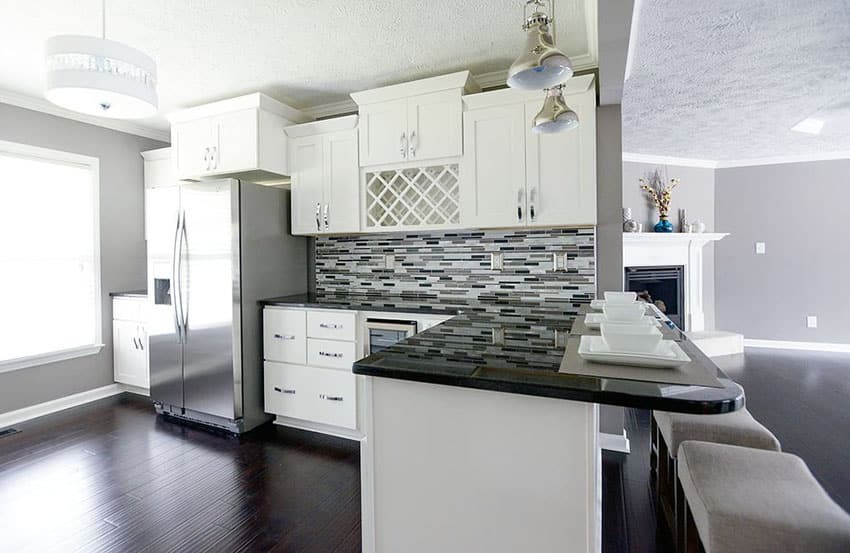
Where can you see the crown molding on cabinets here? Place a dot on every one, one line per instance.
(729, 163)
(41, 105)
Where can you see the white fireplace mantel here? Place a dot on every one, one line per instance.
(652, 249)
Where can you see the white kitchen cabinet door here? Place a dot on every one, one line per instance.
(307, 184)
(235, 144)
(341, 182)
(161, 205)
(434, 123)
(383, 132)
(194, 143)
(130, 356)
(493, 171)
(561, 171)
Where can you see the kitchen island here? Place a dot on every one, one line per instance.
(476, 439)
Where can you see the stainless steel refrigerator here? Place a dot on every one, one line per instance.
(229, 247)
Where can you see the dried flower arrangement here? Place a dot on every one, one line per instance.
(659, 192)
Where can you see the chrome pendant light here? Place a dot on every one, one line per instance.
(555, 115)
(96, 76)
(541, 65)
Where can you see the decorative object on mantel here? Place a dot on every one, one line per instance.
(684, 225)
(629, 224)
(661, 194)
(698, 227)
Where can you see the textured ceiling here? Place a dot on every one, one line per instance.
(726, 80)
(302, 52)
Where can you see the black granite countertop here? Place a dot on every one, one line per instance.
(508, 345)
(129, 294)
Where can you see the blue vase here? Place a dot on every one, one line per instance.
(663, 225)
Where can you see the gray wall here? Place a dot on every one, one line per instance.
(609, 229)
(121, 241)
(801, 212)
(696, 194)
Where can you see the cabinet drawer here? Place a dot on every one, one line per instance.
(287, 390)
(285, 335)
(127, 309)
(334, 398)
(331, 354)
(332, 325)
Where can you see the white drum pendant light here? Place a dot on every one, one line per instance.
(555, 116)
(540, 65)
(100, 77)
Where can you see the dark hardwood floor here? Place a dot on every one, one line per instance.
(111, 476)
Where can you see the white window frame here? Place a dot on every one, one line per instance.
(93, 165)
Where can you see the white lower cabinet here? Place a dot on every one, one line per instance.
(130, 342)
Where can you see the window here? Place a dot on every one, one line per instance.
(50, 305)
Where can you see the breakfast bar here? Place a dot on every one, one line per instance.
(477, 423)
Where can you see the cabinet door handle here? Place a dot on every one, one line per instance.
(403, 146)
(333, 326)
(284, 390)
(330, 398)
(330, 354)
(327, 207)
(284, 336)
(532, 195)
(215, 157)
(135, 343)
(318, 222)
(519, 205)
(207, 157)
(414, 142)
(139, 334)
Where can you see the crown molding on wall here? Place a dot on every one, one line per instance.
(41, 105)
(729, 164)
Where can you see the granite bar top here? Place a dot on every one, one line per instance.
(508, 345)
(129, 294)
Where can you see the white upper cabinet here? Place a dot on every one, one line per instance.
(325, 176)
(415, 121)
(242, 137)
(161, 198)
(512, 176)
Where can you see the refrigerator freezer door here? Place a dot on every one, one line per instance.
(165, 350)
(209, 295)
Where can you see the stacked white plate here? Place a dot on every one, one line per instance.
(629, 337)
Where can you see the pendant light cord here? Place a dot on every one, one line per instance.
(103, 19)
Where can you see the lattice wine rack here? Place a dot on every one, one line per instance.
(414, 197)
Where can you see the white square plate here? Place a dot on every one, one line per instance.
(593, 320)
(668, 355)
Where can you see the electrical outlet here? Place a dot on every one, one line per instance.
(497, 261)
(389, 261)
(811, 321)
(760, 249)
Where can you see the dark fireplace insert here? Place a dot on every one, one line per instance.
(663, 286)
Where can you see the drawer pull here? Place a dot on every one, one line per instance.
(330, 398)
(284, 336)
(284, 390)
(330, 354)
(333, 326)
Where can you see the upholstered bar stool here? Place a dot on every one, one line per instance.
(739, 499)
(736, 428)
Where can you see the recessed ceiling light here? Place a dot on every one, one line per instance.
(808, 126)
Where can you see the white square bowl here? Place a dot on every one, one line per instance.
(625, 312)
(632, 338)
(620, 297)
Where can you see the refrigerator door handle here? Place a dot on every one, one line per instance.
(175, 282)
(184, 311)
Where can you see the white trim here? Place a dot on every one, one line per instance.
(321, 428)
(50, 357)
(134, 389)
(728, 164)
(614, 442)
(42, 105)
(803, 346)
(669, 160)
(255, 100)
(332, 109)
(56, 405)
(459, 80)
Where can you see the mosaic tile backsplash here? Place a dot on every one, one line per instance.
(455, 267)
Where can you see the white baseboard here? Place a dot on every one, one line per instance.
(319, 427)
(134, 389)
(804, 346)
(614, 442)
(53, 406)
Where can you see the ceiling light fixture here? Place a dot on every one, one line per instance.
(97, 76)
(555, 115)
(809, 126)
(541, 65)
